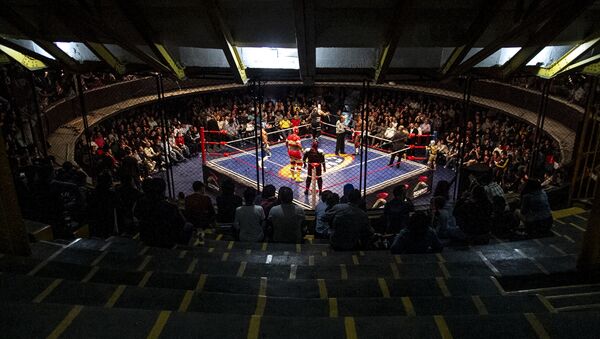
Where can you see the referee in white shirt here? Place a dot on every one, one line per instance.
(340, 133)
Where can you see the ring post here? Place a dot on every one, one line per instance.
(203, 145)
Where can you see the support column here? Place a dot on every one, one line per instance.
(13, 235)
(589, 258)
(463, 119)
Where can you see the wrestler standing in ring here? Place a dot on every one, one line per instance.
(294, 147)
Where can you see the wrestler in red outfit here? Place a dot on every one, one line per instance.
(294, 147)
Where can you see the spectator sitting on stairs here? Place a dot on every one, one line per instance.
(250, 218)
(349, 224)
(535, 210)
(227, 202)
(161, 223)
(473, 212)
(418, 237)
(287, 218)
(199, 208)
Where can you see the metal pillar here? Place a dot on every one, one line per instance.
(84, 117)
(539, 128)
(463, 119)
(164, 131)
(13, 236)
(255, 103)
(362, 129)
(38, 115)
(581, 153)
(365, 156)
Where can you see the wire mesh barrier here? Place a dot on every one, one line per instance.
(181, 131)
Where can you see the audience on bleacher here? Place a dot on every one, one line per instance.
(249, 219)
(418, 237)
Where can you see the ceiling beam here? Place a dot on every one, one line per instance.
(26, 61)
(32, 54)
(144, 29)
(92, 20)
(36, 35)
(529, 23)
(304, 20)
(544, 35)
(81, 30)
(592, 69)
(391, 42)
(580, 65)
(226, 41)
(483, 19)
(564, 63)
(105, 55)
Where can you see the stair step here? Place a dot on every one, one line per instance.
(39, 320)
(46, 290)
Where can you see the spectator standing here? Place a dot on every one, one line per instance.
(473, 215)
(101, 208)
(249, 219)
(340, 133)
(287, 218)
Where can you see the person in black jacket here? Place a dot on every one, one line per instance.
(396, 211)
(473, 214)
(398, 143)
(161, 223)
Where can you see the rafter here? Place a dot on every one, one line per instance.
(48, 61)
(592, 69)
(529, 23)
(226, 41)
(564, 63)
(544, 36)
(34, 34)
(304, 20)
(132, 13)
(389, 47)
(486, 13)
(98, 27)
(26, 61)
(81, 30)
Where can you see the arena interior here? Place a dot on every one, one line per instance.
(300, 169)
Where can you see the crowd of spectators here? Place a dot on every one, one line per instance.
(573, 88)
(133, 142)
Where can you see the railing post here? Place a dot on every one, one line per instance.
(203, 145)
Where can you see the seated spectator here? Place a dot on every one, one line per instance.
(473, 215)
(349, 224)
(396, 211)
(227, 202)
(101, 208)
(535, 210)
(287, 218)
(268, 198)
(418, 237)
(249, 219)
(492, 189)
(161, 223)
(504, 222)
(321, 227)
(199, 208)
(443, 222)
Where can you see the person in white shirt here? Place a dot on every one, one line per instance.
(249, 219)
